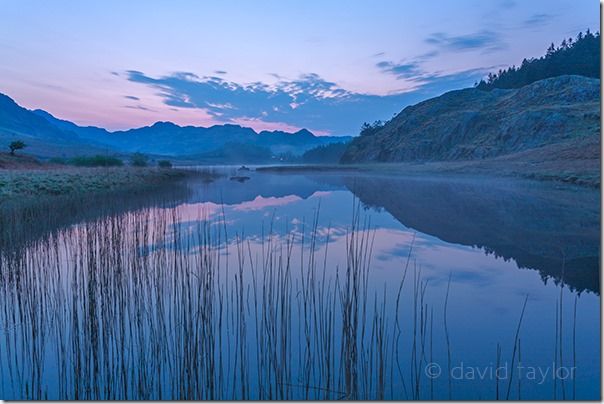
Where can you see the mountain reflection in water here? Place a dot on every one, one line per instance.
(541, 226)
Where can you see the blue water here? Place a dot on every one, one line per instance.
(476, 249)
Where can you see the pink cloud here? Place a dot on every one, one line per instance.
(110, 109)
(261, 202)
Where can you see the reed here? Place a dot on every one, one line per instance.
(150, 304)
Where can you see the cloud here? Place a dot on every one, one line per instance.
(422, 80)
(141, 107)
(131, 97)
(431, 83)
(220, 72)
(306, 102)
(410, 69)
(402, 70)
(261, 203)
(483, 40)
(538, 20)
(507, 4)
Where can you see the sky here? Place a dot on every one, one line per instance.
(327, 66)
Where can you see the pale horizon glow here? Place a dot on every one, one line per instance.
(327, 66)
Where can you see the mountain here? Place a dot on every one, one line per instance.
(234, 153)
(83, 132)
(327, 154)
(474, 124)
(167, 138)
(41, 136)
(170, 139)
(48, 136)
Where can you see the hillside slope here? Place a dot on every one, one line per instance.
(473, 124)
(41, 137)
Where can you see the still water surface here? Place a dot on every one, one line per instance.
(313, 285)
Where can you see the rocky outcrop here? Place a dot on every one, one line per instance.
(474, 124)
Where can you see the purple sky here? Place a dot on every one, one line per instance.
(324, 65)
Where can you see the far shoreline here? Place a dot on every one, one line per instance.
(584, 173)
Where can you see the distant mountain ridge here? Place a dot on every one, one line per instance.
(167, 138)
(474, 124)
(48, 136)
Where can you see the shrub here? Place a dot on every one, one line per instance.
(16, 145)
(164, 164)
(58, 160)
(96, 161)
(368, 129)
(139, 160)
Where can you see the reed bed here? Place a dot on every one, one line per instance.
(146, 305)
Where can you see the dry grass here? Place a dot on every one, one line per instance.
(77, 181)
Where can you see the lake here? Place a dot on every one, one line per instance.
(309, 285)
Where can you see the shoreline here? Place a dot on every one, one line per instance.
(584, 173)
(35, 202)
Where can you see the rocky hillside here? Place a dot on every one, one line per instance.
(475, 124)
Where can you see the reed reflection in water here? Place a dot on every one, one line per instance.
(148, 305)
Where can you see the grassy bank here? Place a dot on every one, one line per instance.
(34, 203)
(76, 181)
